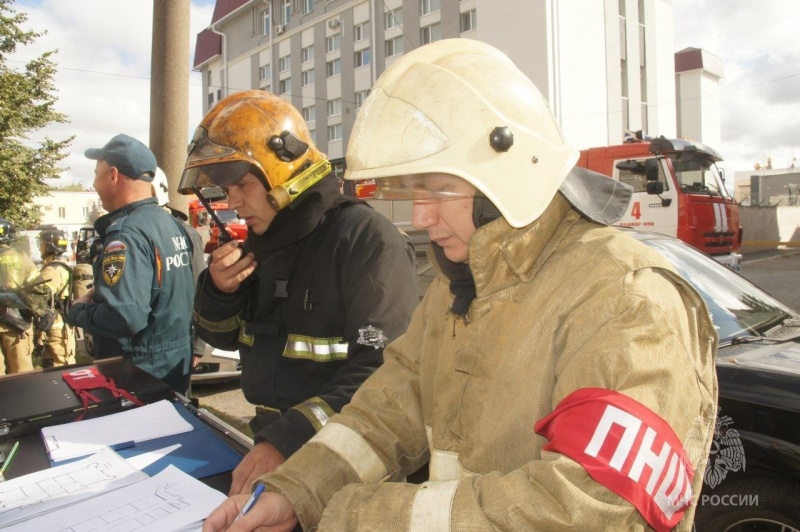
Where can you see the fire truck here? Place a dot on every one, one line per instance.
(200, 220)
(677, 190)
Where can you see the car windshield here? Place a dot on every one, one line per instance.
(739, 309)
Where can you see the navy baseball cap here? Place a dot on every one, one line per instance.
(130, 156)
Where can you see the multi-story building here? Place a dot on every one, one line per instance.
(605, 66)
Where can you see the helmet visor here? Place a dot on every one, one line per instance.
(213, 175)
(420, 187)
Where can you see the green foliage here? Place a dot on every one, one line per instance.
(27, 103)
(71, 187)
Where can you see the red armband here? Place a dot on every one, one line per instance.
(627, 448)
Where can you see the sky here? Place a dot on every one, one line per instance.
(103, 75)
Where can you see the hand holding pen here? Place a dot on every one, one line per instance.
(273, 510)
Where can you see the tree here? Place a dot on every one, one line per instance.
(27, 100)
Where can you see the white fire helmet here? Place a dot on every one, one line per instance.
(461, 107)
(161, 187)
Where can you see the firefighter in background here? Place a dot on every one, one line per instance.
(16, 332)
(58, 341)
(317, 289)
(558, 374)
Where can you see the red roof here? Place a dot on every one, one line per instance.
(209, 44)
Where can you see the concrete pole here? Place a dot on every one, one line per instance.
(169, 92)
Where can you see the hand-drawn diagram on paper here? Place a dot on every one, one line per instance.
(53, 488)
(168, 501)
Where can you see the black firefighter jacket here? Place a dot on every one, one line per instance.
(333, 286)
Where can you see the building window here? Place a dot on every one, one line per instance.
(333, 43)
(285, 86)
(313, 134)
(287, 11)
(393, 18)
(284, 63)
(308, 77)
(334, 132)
(360, 32)
(210, 98)
(219, 94)
(469, 21)
(307, 54)
(210, 78)
(265, 22)
(333, 68)
(62, 212)
(426, 7)
(310, 113)
(362, 58)
(394, 46)
(308, 6)
(335, 107)
(431, 33)
(264, 73)
(361, 96)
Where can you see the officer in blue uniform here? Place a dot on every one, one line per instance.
(140, 306)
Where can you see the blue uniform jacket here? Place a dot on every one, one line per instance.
(143, 292)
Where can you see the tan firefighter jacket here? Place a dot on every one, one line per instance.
(562, 305)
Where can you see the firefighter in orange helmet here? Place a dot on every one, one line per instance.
(558, 374)
(321, 284)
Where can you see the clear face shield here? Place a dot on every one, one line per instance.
(424, 188)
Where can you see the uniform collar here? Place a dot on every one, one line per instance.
(501, 255)
(300, 218)
(102, 223)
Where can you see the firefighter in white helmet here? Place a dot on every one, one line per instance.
(557, 375)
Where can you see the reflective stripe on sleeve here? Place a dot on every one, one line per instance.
(231, 324)
(317, 411)
(316, 349)
(354, 449)
(433, 504)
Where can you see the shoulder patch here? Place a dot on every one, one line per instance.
(113, 266)
(627, 448)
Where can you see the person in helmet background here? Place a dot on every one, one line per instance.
(16, 333)
(318, 288)
(58, 340)
(140, 304)
(558, 374)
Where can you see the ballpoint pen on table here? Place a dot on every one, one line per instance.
(250, 502)
(10, 457)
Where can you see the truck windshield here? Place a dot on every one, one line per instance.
(698, 175)
(227, 215)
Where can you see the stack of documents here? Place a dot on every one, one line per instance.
(116, 431)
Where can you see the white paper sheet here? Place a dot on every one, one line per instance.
(48, 490)
(171, 500)
(82, 438)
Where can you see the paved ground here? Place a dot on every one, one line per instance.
(777, 272)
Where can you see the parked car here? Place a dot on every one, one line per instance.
(752, 481)
(217, 366)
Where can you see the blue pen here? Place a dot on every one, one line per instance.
(251, 501)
